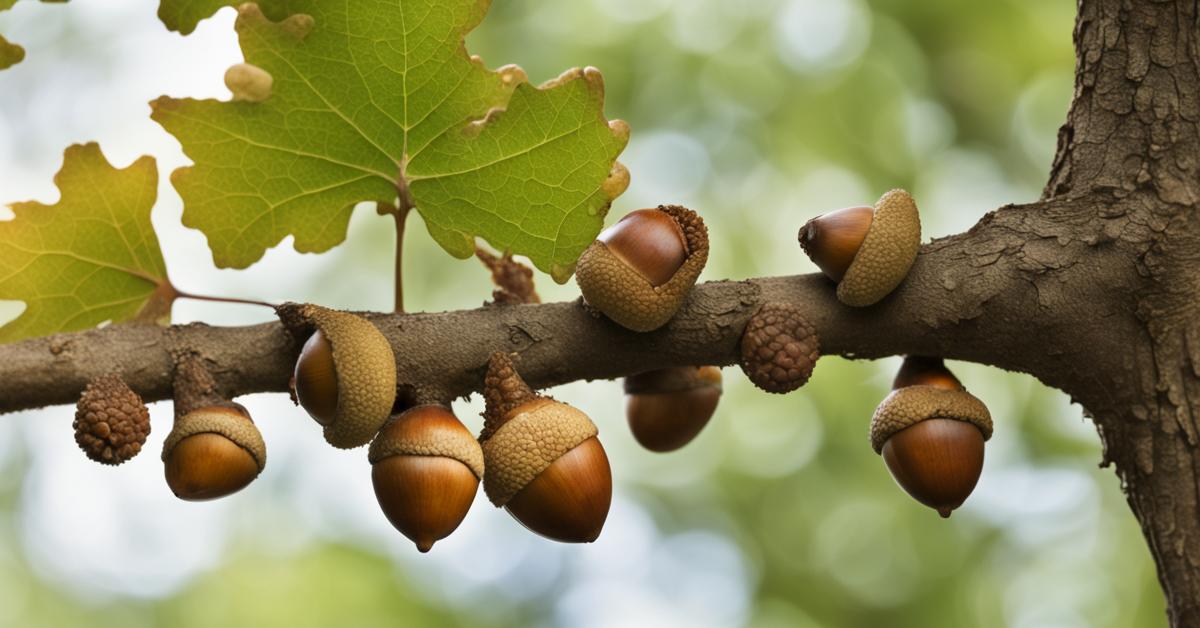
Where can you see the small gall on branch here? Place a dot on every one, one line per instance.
(111, 421)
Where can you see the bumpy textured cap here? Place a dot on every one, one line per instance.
(887, 253)
(913, 404)
(227, 422)
(523, 433)
(428, 431)
(779, 348)
(366, 376)
(673, 380)
(111, 421)
(533, 437)
(628, 298)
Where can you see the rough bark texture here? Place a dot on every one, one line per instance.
(1095, 290)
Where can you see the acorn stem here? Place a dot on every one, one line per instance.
(194, 386)
(503, 390)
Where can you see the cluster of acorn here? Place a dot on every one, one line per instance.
(538, 458)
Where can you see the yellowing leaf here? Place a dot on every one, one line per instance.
(381, 102)
(90, 258)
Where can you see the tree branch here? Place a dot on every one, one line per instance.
(1012, 262)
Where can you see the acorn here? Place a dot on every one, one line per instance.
(867, 251)
(639, 271)
(779, 348)
(425, 466)
(345, 376)
(111, 421)
(544, 463)
(931, 437)
(667, 408)
(212, 452)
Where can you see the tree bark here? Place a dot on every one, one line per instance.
(1094, 289)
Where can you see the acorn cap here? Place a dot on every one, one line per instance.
(425, 468)
(625, 295)
(428, 430)
(673, 380)
(779, 348)
(911, 405)
(886, 254)
(523, 433)
(111, 421)
(366, 376)
(221, 420)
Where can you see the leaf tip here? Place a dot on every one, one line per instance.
(617, 181)
(248, 82)
(561, 272)
(512, 75)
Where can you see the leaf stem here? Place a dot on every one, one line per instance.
(204, 297)
(400, 215)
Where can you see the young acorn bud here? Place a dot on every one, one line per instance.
(667, 408)
(867, 251)
(639, 271)
(111, 421)
(212, 452)
(345, 377)
(779, 348)
(931, 438)
(425, 466)
(543, 461)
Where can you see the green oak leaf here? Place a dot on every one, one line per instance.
(381, 102)
(10, 53)
(89, 258)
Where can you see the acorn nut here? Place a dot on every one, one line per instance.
(544, 463)
(931, 438)
(867, 251)
(345, 377)
(779, 348)
(639, 271)
(425, 466)
(212, 452)
(111, 421)
(667, 408)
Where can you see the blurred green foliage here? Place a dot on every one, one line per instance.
(760, 114)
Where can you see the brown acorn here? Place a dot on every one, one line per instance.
(212, 452)
(867, 251)
(425, 466)
(779, 348)
(667, 408)
(345, 377)
(931, 436)
(111, 421)
(544, 463)
(639, 271)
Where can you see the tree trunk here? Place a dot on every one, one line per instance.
(1095, 290)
